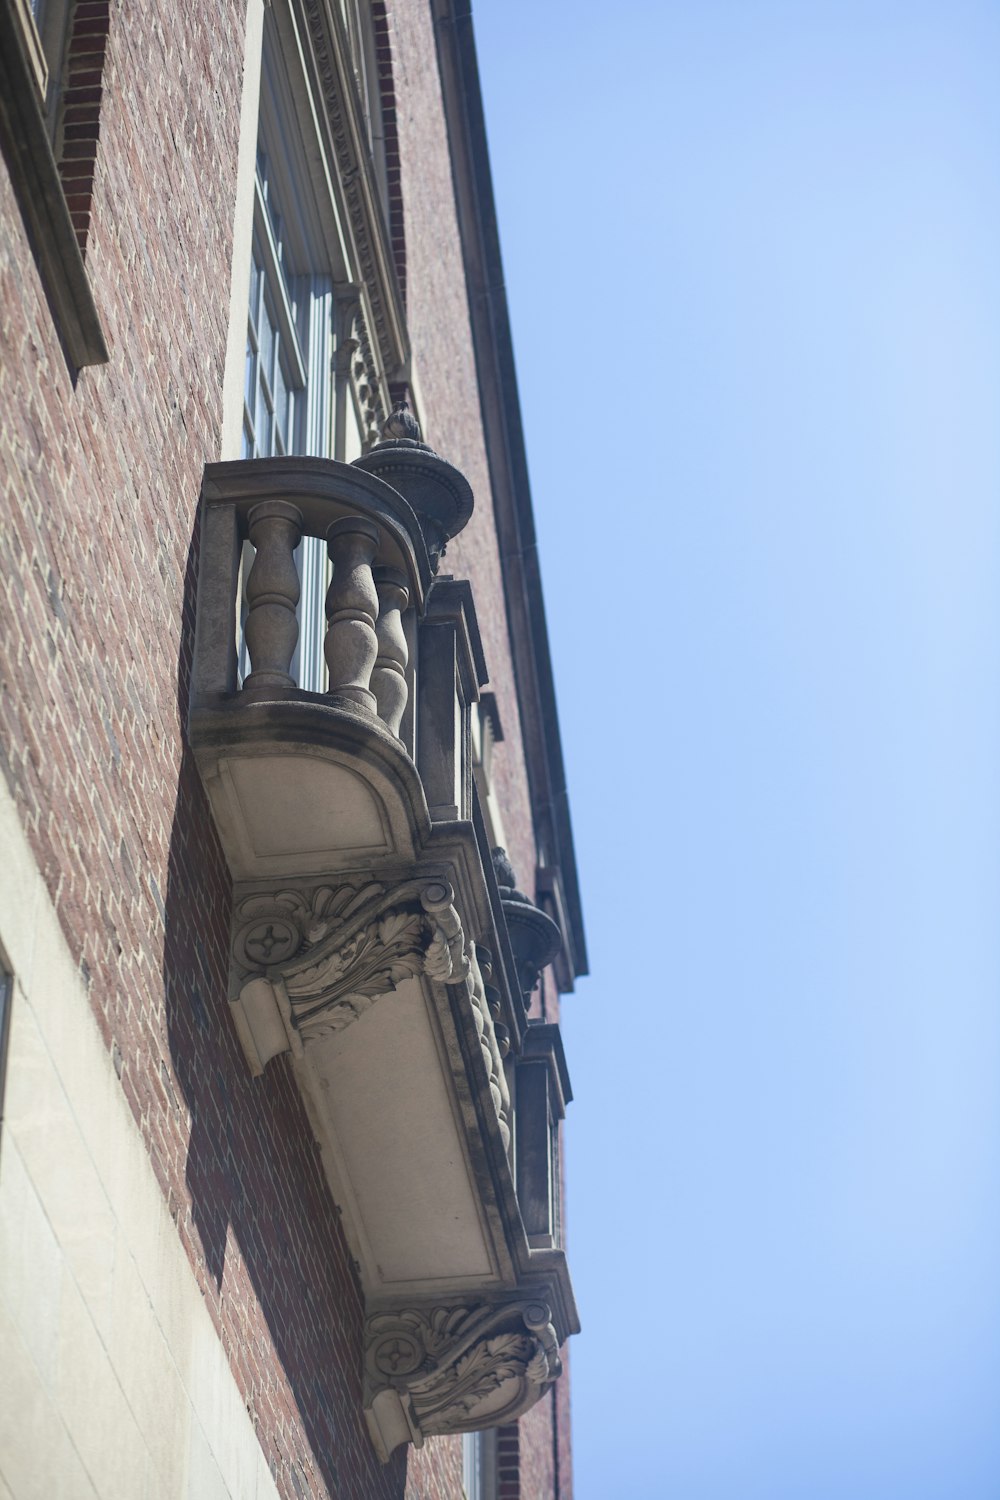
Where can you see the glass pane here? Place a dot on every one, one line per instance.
(256, 276)
(267, 342)
(281, 404)
(471, 1466)
(250, 379)
(262, 423)
(246, 450)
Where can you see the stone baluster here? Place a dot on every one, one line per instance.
(272, 630)
(389, 675)
(488, 1039)
(352, 606)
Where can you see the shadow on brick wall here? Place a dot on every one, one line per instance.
(253, 1208)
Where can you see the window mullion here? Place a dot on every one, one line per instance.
(275, 279)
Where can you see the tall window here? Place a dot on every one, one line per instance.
(288, 387)
(479, 1465)
(472, 1466)
(43, 26)
(287, 394)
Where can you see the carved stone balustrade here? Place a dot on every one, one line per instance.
(371, 951)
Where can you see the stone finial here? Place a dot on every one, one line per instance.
(401, 423)
(534, 937)
(438, 493)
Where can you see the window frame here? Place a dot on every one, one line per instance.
(479, 1465)
(26, 140)
(294, 272)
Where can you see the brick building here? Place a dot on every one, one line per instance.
(280, 1186)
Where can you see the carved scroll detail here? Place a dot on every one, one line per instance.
(270, 929)
(331, 993)
(458, 1369)
(318, 959)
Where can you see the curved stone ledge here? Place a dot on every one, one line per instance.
(304, 783)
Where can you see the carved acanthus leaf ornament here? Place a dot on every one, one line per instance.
(460, 1368)
(327, 995)
(332, 951)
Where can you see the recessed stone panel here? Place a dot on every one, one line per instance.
(297, 810)
(389, 1102)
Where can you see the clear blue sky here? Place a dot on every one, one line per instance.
(753, 260)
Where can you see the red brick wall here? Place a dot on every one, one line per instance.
(434, 1472)
(100, 484)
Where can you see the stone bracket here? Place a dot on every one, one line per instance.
(454, 1368)
(305, 963)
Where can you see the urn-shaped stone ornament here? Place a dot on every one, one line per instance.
(534, 937)
(434, 488)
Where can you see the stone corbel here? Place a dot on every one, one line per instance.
(308, 963)
(451, 1369)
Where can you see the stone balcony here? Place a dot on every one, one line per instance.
(375, 939)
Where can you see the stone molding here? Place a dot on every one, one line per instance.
(354, 171)
(455, 1368)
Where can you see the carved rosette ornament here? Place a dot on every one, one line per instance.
(455, 1369)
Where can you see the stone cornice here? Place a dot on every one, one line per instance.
(354, 171)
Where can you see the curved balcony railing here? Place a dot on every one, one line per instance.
(380, 569)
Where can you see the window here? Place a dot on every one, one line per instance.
(287, 393)
(288, 386)
(29, 20)
(324, 325)
(479, 1465)
(472, 1466)
(46, 37)
(49, 127)
(43, 30)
